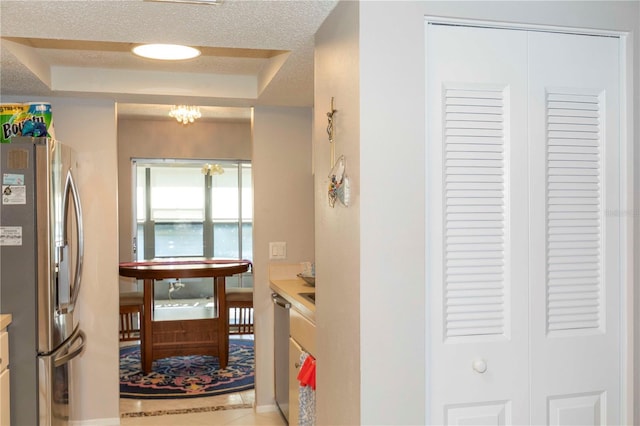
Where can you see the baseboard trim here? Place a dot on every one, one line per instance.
(266, 408)
(115, 421)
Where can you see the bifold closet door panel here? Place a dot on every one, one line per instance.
(575, 273)
(478, 225)
(523, 226)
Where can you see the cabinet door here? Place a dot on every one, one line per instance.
(5, 411)
(295, 351)
(4, 350)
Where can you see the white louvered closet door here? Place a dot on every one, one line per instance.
(478, 225)
(523, 279)
(575, 281)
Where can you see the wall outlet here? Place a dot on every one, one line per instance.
(278, 250)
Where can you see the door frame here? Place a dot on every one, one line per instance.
(627, 202)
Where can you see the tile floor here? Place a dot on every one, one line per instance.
(230, 409)
(242, 416)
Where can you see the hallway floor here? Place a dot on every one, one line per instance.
(239, 416)
(229, 409)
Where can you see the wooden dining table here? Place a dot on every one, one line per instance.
(202, 336)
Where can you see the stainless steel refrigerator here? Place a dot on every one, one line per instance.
(41, 252)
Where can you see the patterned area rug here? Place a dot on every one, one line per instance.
(187, 376)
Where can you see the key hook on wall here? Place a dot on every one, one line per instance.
(338, 179)
(331, 132)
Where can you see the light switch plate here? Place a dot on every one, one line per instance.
(277, 250)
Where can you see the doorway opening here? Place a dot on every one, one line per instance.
(193, 208)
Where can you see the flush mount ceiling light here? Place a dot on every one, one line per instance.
(185, 114)
(166, 52)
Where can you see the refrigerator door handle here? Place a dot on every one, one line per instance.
(55, 385)
(66, 355)
(71, 189)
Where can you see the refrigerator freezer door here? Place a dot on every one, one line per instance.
(60, 245)
(55, 385)
(69, 264)
(18, 277)
(35, 287)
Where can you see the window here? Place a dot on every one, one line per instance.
(188, 208)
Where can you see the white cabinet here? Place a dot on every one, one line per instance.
(294, 334)
(303, 331)
(295, 352)
(5, 411)
(303, 339)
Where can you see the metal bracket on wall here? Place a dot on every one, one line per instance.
(331, 133)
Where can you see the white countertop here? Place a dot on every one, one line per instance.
(5, 320)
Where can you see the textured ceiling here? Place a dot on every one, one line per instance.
(253, 53)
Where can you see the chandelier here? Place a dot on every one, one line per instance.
(212, 169)
(185, 114)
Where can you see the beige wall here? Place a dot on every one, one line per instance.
(338, 231)
(139, 138)
(283, 211)
(90, 127)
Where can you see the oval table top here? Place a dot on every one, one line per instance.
(191, 267)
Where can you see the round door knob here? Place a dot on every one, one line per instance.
(479, 366)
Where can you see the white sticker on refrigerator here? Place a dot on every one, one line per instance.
(12, 179)
(14, 194)
(10, 235)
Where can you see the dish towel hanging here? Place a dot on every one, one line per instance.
(307, 391)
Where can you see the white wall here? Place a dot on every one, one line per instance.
(393, 188)
(389, 134)
(283, 211)
(89, 126)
